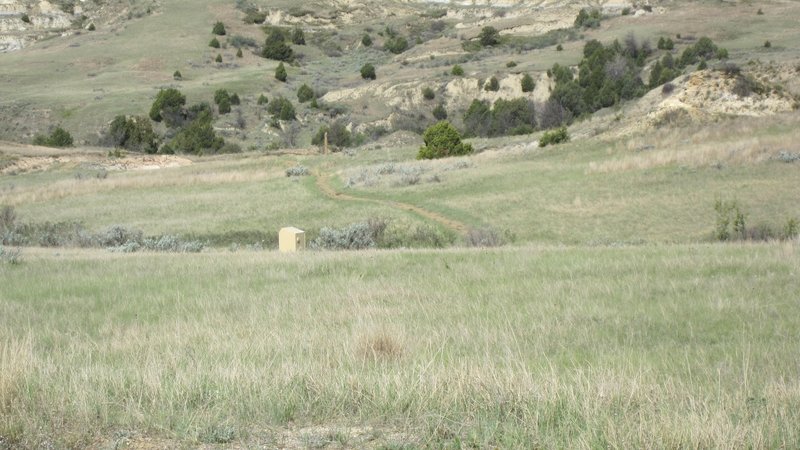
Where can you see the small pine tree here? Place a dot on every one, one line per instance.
(214, 43)
(239, 53)
(177, 76)
(428, 93)
(91, 27)
(457, 71)
(25, 18)
(767, 44)
(235, 99)
(218, 58)
(366, 40)
(262, 100)
(305, 93)
(528, 85)
(280, 73)
(559, 47)
(219, 29)
(368, 72)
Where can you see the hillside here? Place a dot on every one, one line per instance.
(75, 81)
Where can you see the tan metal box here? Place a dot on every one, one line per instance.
(291, 239)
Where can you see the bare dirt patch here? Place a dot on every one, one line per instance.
(18, 158)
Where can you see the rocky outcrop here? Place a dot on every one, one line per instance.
(23, 22)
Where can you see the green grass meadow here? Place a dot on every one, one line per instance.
(531, 347)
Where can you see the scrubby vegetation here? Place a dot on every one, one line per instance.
(606, 76)
(338, 135)
(505, 117)
(368, 72)
(442, 140)
(281, 108)
(59, 137)
(553, 137)
(275, 47)
(132, 133)
(167, 107)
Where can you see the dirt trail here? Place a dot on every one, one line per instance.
(323, 183)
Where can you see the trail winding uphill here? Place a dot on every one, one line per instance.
(324, 185)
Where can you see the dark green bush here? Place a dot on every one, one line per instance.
(305, 93)
(220, 95)
(442, 140)
(457, 71)
(276, 48)
(366, 40)
(167, 106)
(428, 94)
(396, 44)
(507, 117)
(527, 83)
(177, 75)
(280, 73)
(489, 36)
(588, 19)
(234, 98)
(281, 108)
(198, 136)
(218, 58)
(134, 133)
(239, 53)
(25, 18)
(214, 43)
(58, 138)
(368, 72)
(703, 49)
(219, 29)
(262, 100)
(91, 27)
(553, 137)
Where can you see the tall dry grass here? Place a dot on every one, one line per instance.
(741, 141)
(664, 346)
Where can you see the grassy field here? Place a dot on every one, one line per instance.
(610, 317)
(645, 347)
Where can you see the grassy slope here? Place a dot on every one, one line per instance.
(679, 346)
(554, 195)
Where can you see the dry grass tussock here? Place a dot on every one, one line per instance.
(741, 141)
(73, 187)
